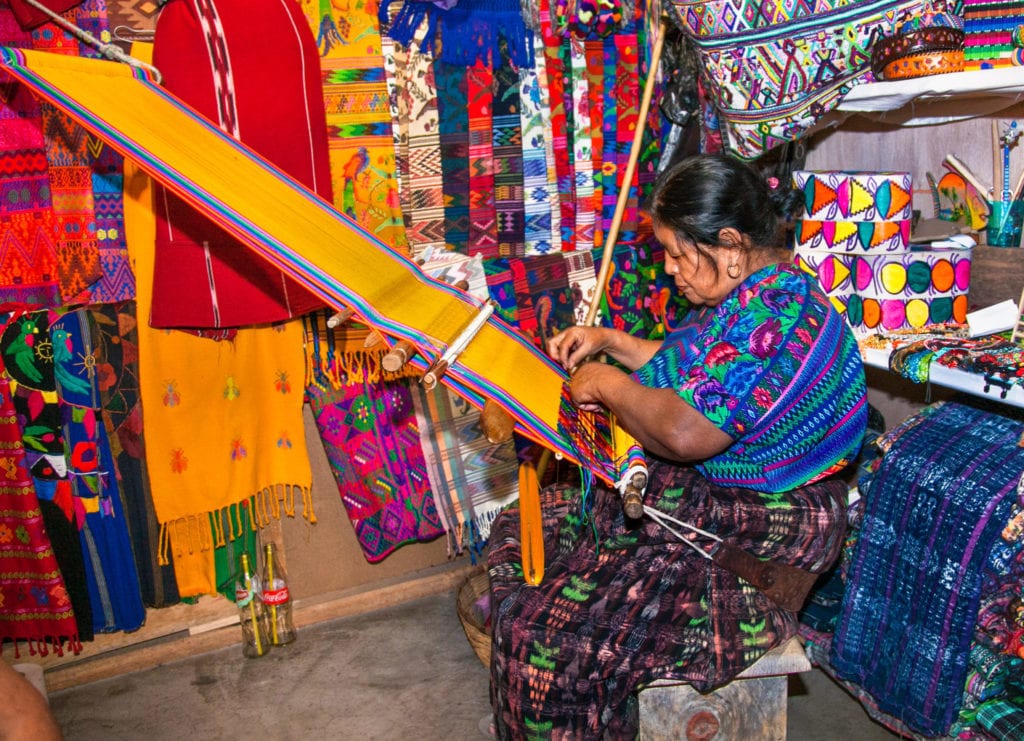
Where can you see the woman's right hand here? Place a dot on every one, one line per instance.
(574, 345)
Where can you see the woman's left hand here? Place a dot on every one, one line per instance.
(589, 385)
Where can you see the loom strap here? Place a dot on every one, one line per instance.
(787, 586)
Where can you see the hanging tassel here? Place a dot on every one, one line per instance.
(531, 526)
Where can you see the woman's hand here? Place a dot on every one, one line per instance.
(574, 345)
(590, 384)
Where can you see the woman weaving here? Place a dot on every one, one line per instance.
(745, 414)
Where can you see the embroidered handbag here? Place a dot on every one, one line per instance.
(773, 68)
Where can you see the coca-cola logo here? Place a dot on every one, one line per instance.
(275, 596)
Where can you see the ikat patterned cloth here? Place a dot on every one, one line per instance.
(934, 511)
(621, 605)
(778, 369)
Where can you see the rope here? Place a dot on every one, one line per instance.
(111, 51)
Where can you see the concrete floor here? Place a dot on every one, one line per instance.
(405, 672)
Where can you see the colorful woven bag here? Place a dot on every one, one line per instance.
(773, 68)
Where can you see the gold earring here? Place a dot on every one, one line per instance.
(733, 271)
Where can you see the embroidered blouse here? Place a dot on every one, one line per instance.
(776, 367)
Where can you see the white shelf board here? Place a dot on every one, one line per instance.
(940, 375)
(936, 99)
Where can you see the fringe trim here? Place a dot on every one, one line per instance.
(42, 646)
(205, 531)
(332, 371)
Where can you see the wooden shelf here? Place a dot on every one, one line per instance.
(937, 99)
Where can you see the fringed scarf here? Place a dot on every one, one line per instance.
(28, 258)
(472, 478)
(223, 420)
(34, 603)
(508, 160)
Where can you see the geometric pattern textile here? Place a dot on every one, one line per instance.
(370, 437)
(819, 49)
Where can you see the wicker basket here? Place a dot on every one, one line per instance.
(473, 618)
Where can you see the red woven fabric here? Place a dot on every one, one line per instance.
(257, 75)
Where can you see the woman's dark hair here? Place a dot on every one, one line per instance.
(701, 195)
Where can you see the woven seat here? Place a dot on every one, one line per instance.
(752, 707)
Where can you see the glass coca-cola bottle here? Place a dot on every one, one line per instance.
(276, 598)
(251, 613)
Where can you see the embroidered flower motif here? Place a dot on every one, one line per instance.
(59, 594)
(721, 353)
(6, 534)
(179, 462)
(171, 396)
(21, 533)
(282, 383)
(763, 398)
(765, 338)
(231, 390)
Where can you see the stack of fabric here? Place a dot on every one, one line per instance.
(854, 236)
(925, 634)
(992, 33)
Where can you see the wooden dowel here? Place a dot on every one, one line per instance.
(373, 339)
(398, 356)
(997, 162)
(336, 320)
(434, 374)
(627, 178)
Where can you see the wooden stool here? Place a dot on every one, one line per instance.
(752, 707)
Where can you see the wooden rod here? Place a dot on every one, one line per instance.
(440, 366)
(336, 320)
(400, 354)
(627, 179)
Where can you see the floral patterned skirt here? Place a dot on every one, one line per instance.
(625, 602)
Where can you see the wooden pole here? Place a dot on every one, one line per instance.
(634, 156)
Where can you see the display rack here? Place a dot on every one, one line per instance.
(958, 380)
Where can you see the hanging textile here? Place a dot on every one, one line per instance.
(483, 215)
(540, 191)
(252, 68)
(914, 583)
(28, 256)
(223, 421)
(507, 139)
(359, 123)
(453, 131)
(370, 437)
(462, 31)
(110, 566)
(472, 478)
(34, 603)
(115, 334)
(817, 51)
(344, 264)
(420, 157)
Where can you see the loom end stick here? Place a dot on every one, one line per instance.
(531, 528)
(434, 374)
(336, 320)
(400, 354)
